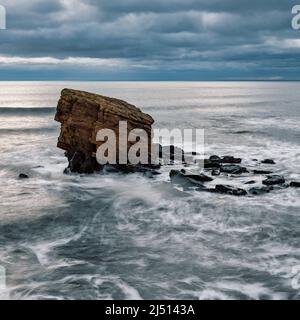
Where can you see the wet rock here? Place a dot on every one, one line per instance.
(215, 172)
(268, 161)
(274, 180)
(262, 172)
(179, 178)
(233, 169)
(215, 158)
(250, 182)
(295, 184)
(82, 115)
(230, 159)
(23, 176)
(225, 189)
(208, 164)
(260, 190)
(197, 177)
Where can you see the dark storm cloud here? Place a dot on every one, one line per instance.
(157, 35)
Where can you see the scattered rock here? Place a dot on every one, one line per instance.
(230, 159)
(273, 180)
(215, 158)
(260, 190)
(233, 169)
(23, 176)
(208, 164)
(295, 184)
(197, 177)
(262, 172)
(215, 172)
(250, 182)
(184, 181)
(268, 161)
(223, 189)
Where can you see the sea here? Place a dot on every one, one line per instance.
(117, 236)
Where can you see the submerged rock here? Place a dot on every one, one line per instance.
(209, 164)
(23, 176)
(295, 184)
(250, 182)
(215, 158)
(274, 180)
(262, 172)
(82, 115)
(179, 178)
(233, 169)
(197, 177)
(260, 190)
(268, 161)
(230, 159)
(224, 189)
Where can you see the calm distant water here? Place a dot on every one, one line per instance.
(129, 237)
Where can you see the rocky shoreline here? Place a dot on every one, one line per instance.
(228, 167)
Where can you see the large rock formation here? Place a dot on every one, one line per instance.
(82, 115)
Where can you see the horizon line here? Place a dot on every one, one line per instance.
(145, 80)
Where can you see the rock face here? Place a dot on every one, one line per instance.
(82, 115)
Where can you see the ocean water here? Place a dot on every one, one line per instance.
(130, 237)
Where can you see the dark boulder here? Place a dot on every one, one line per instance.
(23, 176)
(274, 180)
(179, 178)
(268, 161)
(233, 169)
(260, 190)
(262, 172)
(223, 189)
(215, 158)
(250, 182)
(208, 164)
(295, 184)
(230, 159)
(197, 177)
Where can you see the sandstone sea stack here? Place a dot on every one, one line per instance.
(82, 115)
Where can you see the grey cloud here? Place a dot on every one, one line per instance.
(187, 33)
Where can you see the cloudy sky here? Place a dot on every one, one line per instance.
(149, 40)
